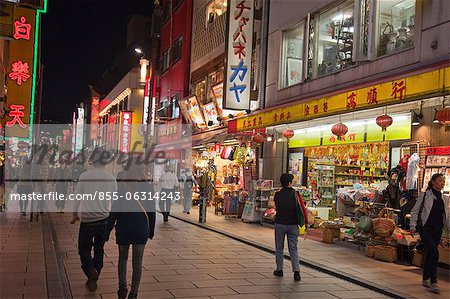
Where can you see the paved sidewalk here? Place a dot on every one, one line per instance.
(184, 261)
(22, 259)
(402, 279)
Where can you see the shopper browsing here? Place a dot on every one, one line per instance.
(429, 218)
(289, 205)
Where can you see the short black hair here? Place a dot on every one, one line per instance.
(285, 179)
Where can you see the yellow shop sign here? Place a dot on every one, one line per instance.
(392, 92)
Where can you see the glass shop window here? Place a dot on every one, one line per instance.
(395, 21)
(335, 39)
(215, 9)
(292, 59)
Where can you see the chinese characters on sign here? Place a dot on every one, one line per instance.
(125, 131)
(16, 113)
(239, 54)
(22, 29)
(20, 83)
(19, 72)
(94, 117)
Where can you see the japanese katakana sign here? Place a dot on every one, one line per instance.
(125, 130)
(239, 54)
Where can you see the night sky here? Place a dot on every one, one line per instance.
(80, 40)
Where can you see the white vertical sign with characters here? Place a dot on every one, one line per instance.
(239, 54)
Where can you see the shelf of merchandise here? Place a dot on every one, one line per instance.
(359, 175)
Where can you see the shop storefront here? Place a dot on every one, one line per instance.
(224, 168)
(348, 152)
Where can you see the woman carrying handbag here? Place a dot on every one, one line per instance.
(134, 221)
(291, 213)
(429, 218)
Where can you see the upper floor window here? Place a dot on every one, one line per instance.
(395, 25)
(215, 9)
(176, 49)
(164, 62)
(177, 3)
(167, 10)
(292, 61)
(335, 38)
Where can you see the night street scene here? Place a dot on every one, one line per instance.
(224, 149)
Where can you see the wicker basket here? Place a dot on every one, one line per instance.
(370, 250)
(329, 235)
(386, 253)
(383, 226)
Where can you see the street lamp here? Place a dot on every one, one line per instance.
(138, 50)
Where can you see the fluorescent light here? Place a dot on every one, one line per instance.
(137, 50)
(230, 140)
(269, 138)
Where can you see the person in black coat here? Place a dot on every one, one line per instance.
(134, 221)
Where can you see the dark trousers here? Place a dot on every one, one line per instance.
(91, 235)
(164, 205)
(431, 238)
(61, 188)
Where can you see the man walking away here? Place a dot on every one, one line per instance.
(168, 183)
(94, 216)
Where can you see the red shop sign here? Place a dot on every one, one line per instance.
(438, 151)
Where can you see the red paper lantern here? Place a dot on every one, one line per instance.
(259, 138)
(443, 116)
(339, 130)
(288, 134)
(384, 121)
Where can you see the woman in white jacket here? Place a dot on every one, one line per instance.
(429, 218)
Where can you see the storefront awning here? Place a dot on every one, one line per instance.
(399, 89)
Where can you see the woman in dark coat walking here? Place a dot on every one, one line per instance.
(134, 221)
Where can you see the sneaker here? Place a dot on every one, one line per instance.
(188, 213)
(122, 292)
(425, 283)
(434, 288)
(91, 283)
(297, 276)
(278, 273)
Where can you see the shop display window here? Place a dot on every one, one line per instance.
(395, 21)
(335, 39)
(292, 67)
(215, 9)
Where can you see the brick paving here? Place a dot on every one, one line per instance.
(400, 278)
(183, 261)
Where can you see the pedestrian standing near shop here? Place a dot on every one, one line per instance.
(94, 216)
(61, 181)
(169, 182)
(429, 218)
(24, 185)
(289, 206)
(135, 223)
(188, 182)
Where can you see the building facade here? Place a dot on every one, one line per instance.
(343, 61)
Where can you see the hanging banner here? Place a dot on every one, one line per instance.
(20, 73)
(239, 54)
(94, 117)
(125, 131)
